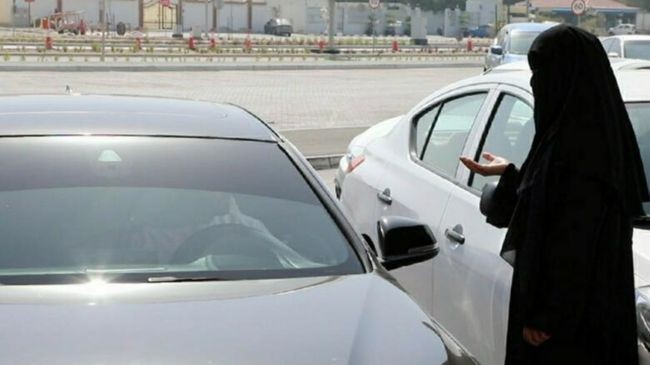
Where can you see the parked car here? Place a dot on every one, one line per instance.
(190, 234)
(618, 64)
(482, 31)
(354, 155)
(414, 171)
(513, 42)
(628, 46)
(279, 26)
(623, 28)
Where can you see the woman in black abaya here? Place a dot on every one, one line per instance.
(569, 210)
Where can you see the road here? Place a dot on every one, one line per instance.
(324, 100)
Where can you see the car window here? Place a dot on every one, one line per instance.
(640, 117)
(132, 208)
(607, 44)
(450, 131)
(501, 38)
(423, 127)
(520, 42)
(615, 47)
(510, 134)
(637, 49)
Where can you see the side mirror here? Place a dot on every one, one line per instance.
(613, 54)
(403, 242)
(496, 50)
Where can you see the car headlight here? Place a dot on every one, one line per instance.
(643, 315)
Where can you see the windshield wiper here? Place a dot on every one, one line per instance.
(174, 279)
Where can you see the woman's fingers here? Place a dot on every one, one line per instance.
(473, 165)
(535, 337)
(488, 156)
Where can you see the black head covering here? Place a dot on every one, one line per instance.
(580, 119)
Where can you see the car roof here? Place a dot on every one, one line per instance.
(127, 115)
(618, 64)
(630, 37)
(633, 83)
(529, 27)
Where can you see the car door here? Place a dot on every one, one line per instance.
(420, 171)
(478, 300)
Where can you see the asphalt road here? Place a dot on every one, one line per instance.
(327, 102)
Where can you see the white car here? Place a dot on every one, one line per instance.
(414, 171)
(624, 28)
(512, 43)
(354, 155)
(628, 46)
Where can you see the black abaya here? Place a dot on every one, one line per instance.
(570, 209)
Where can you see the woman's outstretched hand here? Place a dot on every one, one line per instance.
(496, 165)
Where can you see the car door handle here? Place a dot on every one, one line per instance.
(455, 234)
(385, 197)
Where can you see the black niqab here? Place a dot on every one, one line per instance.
(576, 94)
(570, 210)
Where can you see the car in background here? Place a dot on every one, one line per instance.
(624, 28)
(482, 31)
(279, 26)
(618, 64)
(513, 42)
(354, 154)
(628, 46)
(161, 231)
(414, 171)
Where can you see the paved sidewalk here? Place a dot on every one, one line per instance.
(238, 64)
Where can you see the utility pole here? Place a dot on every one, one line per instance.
(179, 20)
(249, 10)
(332, 21)
(105, 27)
(207, 25)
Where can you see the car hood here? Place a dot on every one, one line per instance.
(360, 319)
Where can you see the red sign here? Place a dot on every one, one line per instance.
(166, 3)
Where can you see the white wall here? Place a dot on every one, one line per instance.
(643, 22)
(485, 10)
(125, 11)
(194, 15)
(5, 13)
(42, 8)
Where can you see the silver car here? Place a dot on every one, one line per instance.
(627, 46)
(152, 231)
(513, 42)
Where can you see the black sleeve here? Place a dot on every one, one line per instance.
(567, 256)
(498, 204)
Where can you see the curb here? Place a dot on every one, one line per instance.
(190, 68)
(324, 162)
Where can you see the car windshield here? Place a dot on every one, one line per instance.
(637, 49)
(137, 209)
(640, 117)
(520, 42)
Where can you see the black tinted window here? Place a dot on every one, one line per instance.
(450, 131)
(511, 133)
(138, 207)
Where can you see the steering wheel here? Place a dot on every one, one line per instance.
(235, 241)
